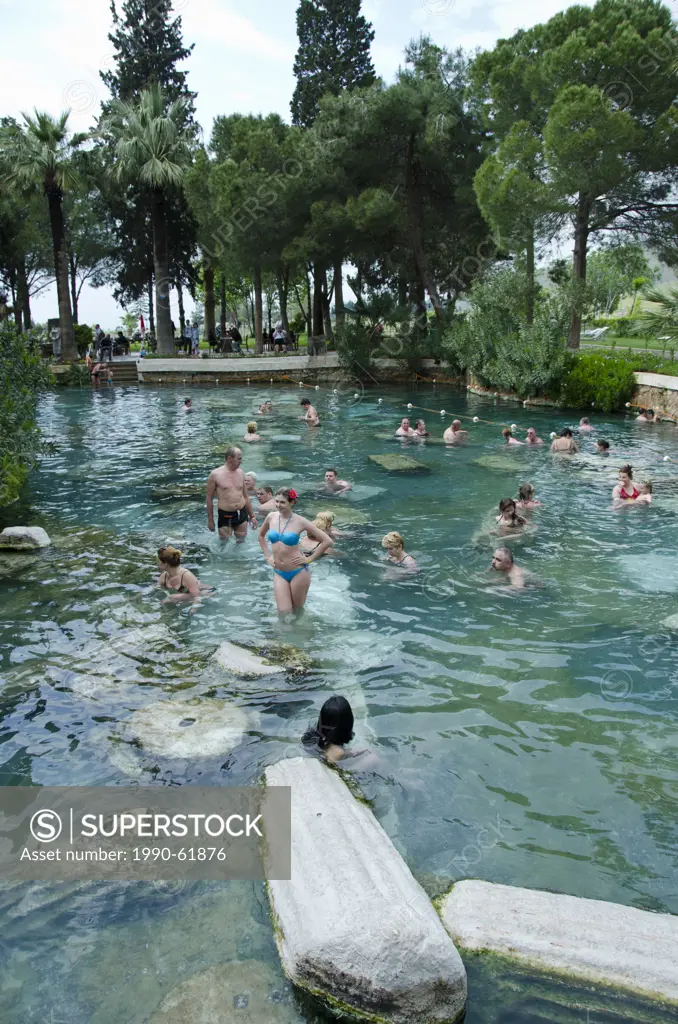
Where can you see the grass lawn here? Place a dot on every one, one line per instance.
(640, 344)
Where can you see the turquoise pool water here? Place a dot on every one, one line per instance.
(525, 738)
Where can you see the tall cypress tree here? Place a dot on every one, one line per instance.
(333, 54)
(148, 47)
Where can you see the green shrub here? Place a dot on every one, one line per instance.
(603, 380)
(84, 337)
(23, 375)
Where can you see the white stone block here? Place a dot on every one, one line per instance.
(353, 926)
(244, 663)
(19, 538)
(601, 942)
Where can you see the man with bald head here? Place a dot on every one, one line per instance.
(454, 434)
(228, 484)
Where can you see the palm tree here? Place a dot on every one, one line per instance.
(153, 148)
(662, 322)
(40, 154)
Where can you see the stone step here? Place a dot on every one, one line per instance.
(353, 927)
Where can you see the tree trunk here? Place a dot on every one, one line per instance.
(258, 310)
(222, 300)
(309, 304)
(210, 311)
(74, 287)
(339, 309)
(415, 225)
(283, 281)
(581, 237)
(182, 314)
(529, 269)
(56, 217)
(23, 295)
(318, 282)
(162, 278)
(151, 306)
(327, 303)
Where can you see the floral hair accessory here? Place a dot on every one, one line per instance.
(293, 494)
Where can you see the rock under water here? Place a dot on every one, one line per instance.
(243, 990)
(22, 538)
(193, 728)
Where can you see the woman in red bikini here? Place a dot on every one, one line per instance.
(625, 490)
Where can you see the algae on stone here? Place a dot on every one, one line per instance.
(179, 492)
(497, 463)
(395, 463)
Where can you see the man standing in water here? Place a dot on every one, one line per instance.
(233, 500)
(310, 416)
(405, 430)
(454, 434)
(532, 438)
(502, 561)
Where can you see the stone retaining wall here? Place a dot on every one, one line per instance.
(659, 392)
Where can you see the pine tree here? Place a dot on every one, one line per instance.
(333, 54)
(148, 46)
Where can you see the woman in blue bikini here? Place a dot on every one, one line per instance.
(291, 578)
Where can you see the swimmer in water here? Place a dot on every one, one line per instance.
(187, 407)
(265, 498)
(645, 496)
(420, 429)
(509, 438)
(508, 518)
(251, 482)
(185, 586)
(266, 407)
(532, 438)
(323, 521)
(625, 490)
(502, 561)
(526, 498)
(405, 430)
(646, 416)
(565, 444)
(602, 447)
(291, 576)
(335, 486)
(310, 416)
(454, 434)
(585, 425)
(394, 544)
(333, 732)
(251, 434)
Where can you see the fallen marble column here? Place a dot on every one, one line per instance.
(241, 662)
(587, 939)
(22, 538)
(353, 927)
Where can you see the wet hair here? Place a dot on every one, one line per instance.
(324, 520)
(585, 421)
(628, 470)
(506, 432)
(286, 491)
(650, 412)
(507, 554)
(267, 488)
(392, 540)
(506, 503)
(304, 401)
(566, 432)
(330, 470)
(170, 556)
(251, 427)
(230, 452)
(335, 725)
(647, 484)
(526, 492)
(603, 444)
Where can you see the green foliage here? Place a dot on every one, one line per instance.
(614, 272)
(84, 337)
(333, 54)
(620, 326)
(602, 380)
(23, 375)
(659, 322)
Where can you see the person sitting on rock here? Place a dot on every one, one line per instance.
(333, 731)
(251, 434)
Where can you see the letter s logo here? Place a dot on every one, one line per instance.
(46, 826)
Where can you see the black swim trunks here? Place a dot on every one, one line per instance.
(232, 519)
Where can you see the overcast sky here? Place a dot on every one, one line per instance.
(242, 61)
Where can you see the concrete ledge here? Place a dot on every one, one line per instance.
(352, 926)
(588, 939)
(658, 380)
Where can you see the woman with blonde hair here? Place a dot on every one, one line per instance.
(323, 521)
(395, 547)
(185, 586)
(251, 434)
